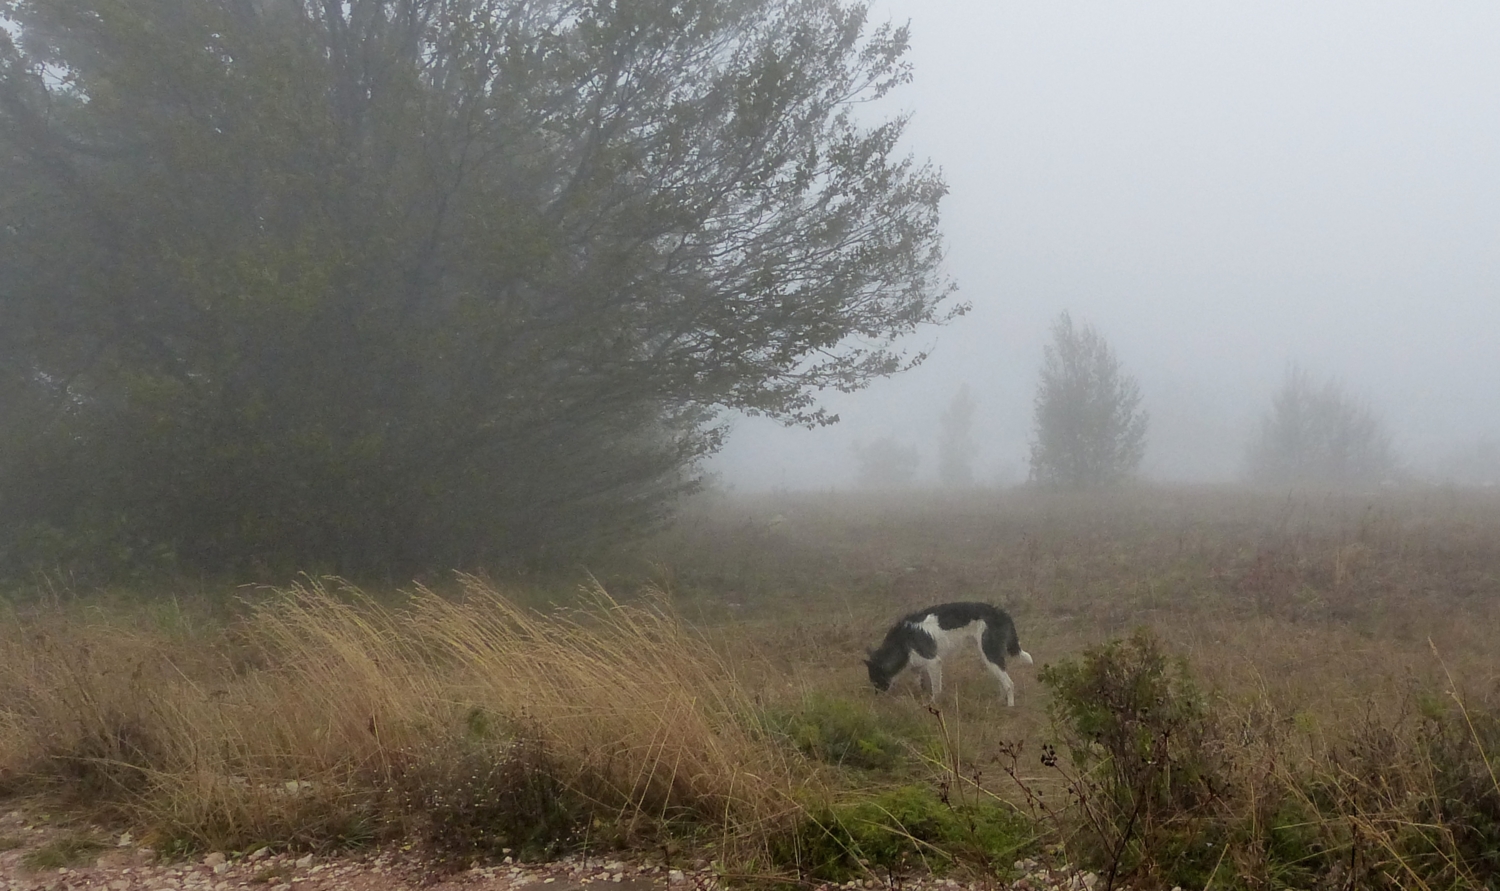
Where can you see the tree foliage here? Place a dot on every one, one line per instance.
(956, 441)
(386, 284)
(1090, 429)
(1318, 434)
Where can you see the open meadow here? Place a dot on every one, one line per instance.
(1231, 690)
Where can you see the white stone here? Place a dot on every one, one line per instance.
(214, 859)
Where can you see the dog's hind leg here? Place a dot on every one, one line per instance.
(992, 648)
(1006, 684)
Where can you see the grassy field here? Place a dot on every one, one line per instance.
(1232, 689)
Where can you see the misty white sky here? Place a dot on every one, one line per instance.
(1221, 189)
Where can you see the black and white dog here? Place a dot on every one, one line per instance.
(923, 638)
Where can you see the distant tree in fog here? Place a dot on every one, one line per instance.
(886, 464)
(1317, 433)
(956, 441)
(376, 286)
(1090, 428)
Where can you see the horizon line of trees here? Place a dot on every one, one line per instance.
(1089, 429)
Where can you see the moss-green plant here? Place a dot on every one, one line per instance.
(1295, 845)
(71, 849)
(845, 733)
(903, 827)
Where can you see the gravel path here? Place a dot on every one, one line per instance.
(126, 866)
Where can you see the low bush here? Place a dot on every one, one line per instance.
(481, 800)
(837, 731)
(1143, 742)
(1406, 797)
(902, 828)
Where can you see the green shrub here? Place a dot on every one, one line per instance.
(1398, 800)
(1142, 738)
(844, 733)
(907, 826)
(1294, 848)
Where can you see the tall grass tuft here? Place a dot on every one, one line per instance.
(324, 718)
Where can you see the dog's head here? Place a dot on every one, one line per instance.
(879, 676)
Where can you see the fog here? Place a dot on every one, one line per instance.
(1220, 190)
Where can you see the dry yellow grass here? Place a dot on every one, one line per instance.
(300, 721)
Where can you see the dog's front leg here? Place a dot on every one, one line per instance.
(934, 679)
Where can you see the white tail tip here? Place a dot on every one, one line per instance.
(1025, 657)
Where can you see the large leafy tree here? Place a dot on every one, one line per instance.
(1090, 428)
(384, 284)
